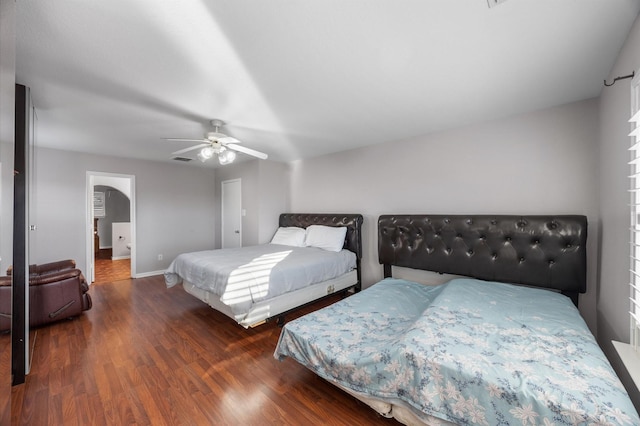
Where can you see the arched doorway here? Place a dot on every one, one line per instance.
(111, 225)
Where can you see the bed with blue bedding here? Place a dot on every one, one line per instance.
(470, 351)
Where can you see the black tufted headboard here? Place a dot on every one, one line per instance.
(353, 222)
(542, 251)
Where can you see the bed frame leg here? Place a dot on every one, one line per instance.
(280, 321)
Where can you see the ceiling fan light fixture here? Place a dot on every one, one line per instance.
(207, 152)
(226, 156)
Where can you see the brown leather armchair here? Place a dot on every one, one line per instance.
(57, 290)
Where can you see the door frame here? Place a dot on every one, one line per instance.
(92, 177)
(222, 207)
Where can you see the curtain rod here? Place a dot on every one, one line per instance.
(619, 78)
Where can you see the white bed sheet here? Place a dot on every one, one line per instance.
(242, 277)
(259, 312)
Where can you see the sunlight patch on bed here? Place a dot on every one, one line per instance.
(250, 281)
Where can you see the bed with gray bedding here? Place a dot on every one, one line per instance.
(257, 283)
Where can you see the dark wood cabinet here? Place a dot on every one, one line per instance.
(96, 237)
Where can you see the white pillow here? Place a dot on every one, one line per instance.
(289, 236)
(329, 238)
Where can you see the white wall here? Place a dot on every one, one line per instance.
(174, 207)
(117, 209)
(121, 236)
(613, 304)
(538, 163)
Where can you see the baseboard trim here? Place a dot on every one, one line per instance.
(149, 274)
(120, 257)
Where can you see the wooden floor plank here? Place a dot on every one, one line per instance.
(145, 354)
(153, 411)
(5, 379)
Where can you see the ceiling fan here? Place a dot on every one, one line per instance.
(216, 143)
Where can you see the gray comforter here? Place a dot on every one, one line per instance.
(243, 276)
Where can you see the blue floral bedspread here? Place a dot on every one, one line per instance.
(468, 351)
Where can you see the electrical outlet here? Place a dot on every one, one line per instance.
(160, 257)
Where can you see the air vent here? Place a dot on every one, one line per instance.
(495, 2)
(186, 160)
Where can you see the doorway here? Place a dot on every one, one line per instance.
(111, 224)
(231, 213)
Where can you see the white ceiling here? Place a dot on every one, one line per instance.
(298, 79)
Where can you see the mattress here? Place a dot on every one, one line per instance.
(465, 352)
(259, 312)
(241, 278)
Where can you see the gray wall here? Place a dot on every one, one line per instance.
(6, 206)
(7, 128)
(541, 162)
(274, 197)
(174, 207)
(7, 113)
(613, 304)
(265, 194)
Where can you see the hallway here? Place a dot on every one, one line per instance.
(108, 270)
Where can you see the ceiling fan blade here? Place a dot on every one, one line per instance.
(185, 140)
(227, 139)
(249, 151)
(191, 148)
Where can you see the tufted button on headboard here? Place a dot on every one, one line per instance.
(543, 251)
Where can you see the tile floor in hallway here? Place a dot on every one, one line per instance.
(108, 270)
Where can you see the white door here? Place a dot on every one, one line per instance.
(231, 213)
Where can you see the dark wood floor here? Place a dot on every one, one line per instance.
(146, 354)
(5, 379)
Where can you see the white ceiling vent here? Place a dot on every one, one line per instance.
(495, 2)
